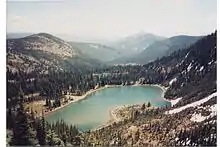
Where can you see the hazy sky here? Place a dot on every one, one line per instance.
(110, 19)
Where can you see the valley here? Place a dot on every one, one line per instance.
(49, 79)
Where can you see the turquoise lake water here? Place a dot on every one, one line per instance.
(93, 111)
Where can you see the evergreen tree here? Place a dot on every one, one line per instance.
(148, 104)
(41, 131)
(9, 118)
(143, 107)
(22, 134)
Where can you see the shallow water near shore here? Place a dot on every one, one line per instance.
(93, 111)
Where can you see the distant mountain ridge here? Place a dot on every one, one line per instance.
(42, 51)
(189, 80)
(141, 48)
(135, 43)
(97, 51)
(159, 49)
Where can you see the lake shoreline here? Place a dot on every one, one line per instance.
(75, 99)
(113, 117)
(113, 111)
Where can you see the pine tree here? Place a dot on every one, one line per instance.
(47, 102)
(143, 107)
(32, 121)
(9, 118)
(51, 138)
(22, 134)
(41, 131)
(148, 104)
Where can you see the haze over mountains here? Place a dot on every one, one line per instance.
(43, 51)
(190, 78)
(61, 55)
(47, 65)
(139, 48)
(159, 49)
(135, 43)
(97, 51)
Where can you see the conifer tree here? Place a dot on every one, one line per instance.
(41, 131)
(22, 134)
(143, 107)
(148, 104)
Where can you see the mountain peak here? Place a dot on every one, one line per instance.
(47, 35)
(141, 33)
(47, 43)
(136, 43)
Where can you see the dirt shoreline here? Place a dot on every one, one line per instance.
(113, 111)
(75, 99)
(88, 93)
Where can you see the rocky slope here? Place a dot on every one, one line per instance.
(42, 51)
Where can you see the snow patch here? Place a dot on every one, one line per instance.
(188, 142)
(173, 80)
(182, 84)
(180, 63)
(174, 102)
(194, 104)
(196, 67)
(189, 67)
(213, 110)
(183, 72)
(197, 117)
(201, 68)
(187, 55)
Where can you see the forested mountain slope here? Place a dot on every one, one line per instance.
(42, 51)
(159, 49)
(189, 75)
(96, 51)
